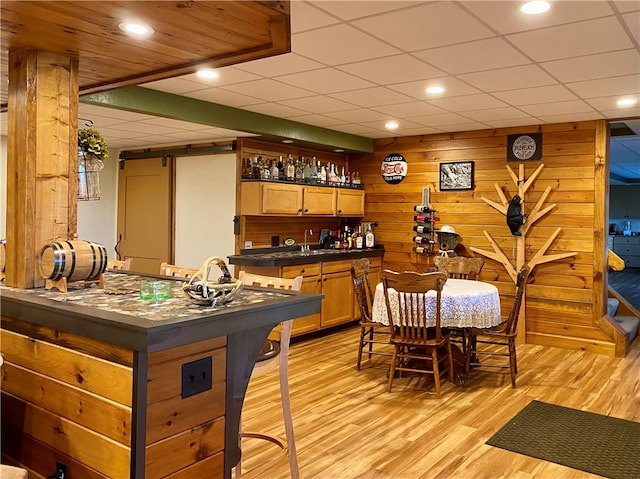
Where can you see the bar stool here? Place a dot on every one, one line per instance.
(272, 355)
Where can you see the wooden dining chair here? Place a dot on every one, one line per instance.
(372, 334)
(416, 341)
(459, 267)
(167, 269)
(273, 355)
(119, 264)
(498, 338)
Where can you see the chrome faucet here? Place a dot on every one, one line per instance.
(305, 246)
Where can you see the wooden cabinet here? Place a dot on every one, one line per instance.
(337, 287)
(350, 202)
(624, 202)
(628, 248)
(311, 283)
(281, 199)
(318, 200)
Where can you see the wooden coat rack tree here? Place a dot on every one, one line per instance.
(538, 212)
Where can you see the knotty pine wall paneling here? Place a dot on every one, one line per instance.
(559, 304)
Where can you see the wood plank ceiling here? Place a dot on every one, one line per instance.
(188, 34)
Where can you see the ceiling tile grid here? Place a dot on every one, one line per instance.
(354, 65)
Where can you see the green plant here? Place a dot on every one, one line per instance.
(92, 143)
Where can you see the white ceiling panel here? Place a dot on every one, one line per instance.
(427, 25)
(472, 56)
(340, 44)
(590, 67)
(371, 97)
(626, 85)
(536, 95)
(410, 109)
(558, 108)
(506, 17)
(509, 78)
(269, 90)
(325, 81)
(394, 69)
(596, 36)
(416, 89)
(319, 104)
(468, 102)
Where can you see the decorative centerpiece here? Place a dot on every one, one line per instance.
(92, 151)
(203, 292)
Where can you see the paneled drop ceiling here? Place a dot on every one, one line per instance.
(354, 65)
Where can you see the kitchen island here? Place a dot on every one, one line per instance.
(116, 387)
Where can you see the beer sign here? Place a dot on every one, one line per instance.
(525, 147)
(394, 168)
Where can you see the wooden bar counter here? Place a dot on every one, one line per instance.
(116, 387)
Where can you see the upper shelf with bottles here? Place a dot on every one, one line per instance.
(303, 170)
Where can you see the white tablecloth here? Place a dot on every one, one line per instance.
(465, 303)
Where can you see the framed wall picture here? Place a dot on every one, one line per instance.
(456, 176)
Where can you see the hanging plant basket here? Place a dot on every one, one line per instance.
(92, 150)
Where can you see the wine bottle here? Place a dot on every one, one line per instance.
(423, 219)
(422, 209)
(423, 240)
(423, 229)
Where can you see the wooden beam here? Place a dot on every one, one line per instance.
(42, 172)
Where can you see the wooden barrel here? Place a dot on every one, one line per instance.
(3, 255)
(75, 260)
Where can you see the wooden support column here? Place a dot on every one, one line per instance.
(42, 159)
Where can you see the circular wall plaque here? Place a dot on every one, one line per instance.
(393, 168)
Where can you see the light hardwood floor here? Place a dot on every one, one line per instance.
(348, 427)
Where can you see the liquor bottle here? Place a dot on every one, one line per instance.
(359, 238)
(314, 171)
(255, 168)
(274, 169)
(422, 209)
(346, 238)
(306, 172)
(331, 174)
(281, 169)
(323, 175)
(343, 178)
(299, 169)
(291, 169)
(357, 178)
(369, 238)
(423, 229)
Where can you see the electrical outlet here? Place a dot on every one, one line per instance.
(197, 377)
(61, 470)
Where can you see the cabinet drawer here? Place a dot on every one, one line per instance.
(336, 266)
(624, 251)
(632, 262)
(310, 269)
(626, 240)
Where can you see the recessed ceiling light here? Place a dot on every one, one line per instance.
(391, 125)
(207, 73)
(138, 29)
(434, 90)
(338, 150)
(535, 7)
(626, 102)
(287, 141)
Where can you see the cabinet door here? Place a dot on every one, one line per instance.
(350, 202)
(337, 305)
(618, 202)
(633, 202)
(311, 283)
(281, 199)
(319, 201)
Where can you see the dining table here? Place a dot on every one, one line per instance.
(464, 304)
